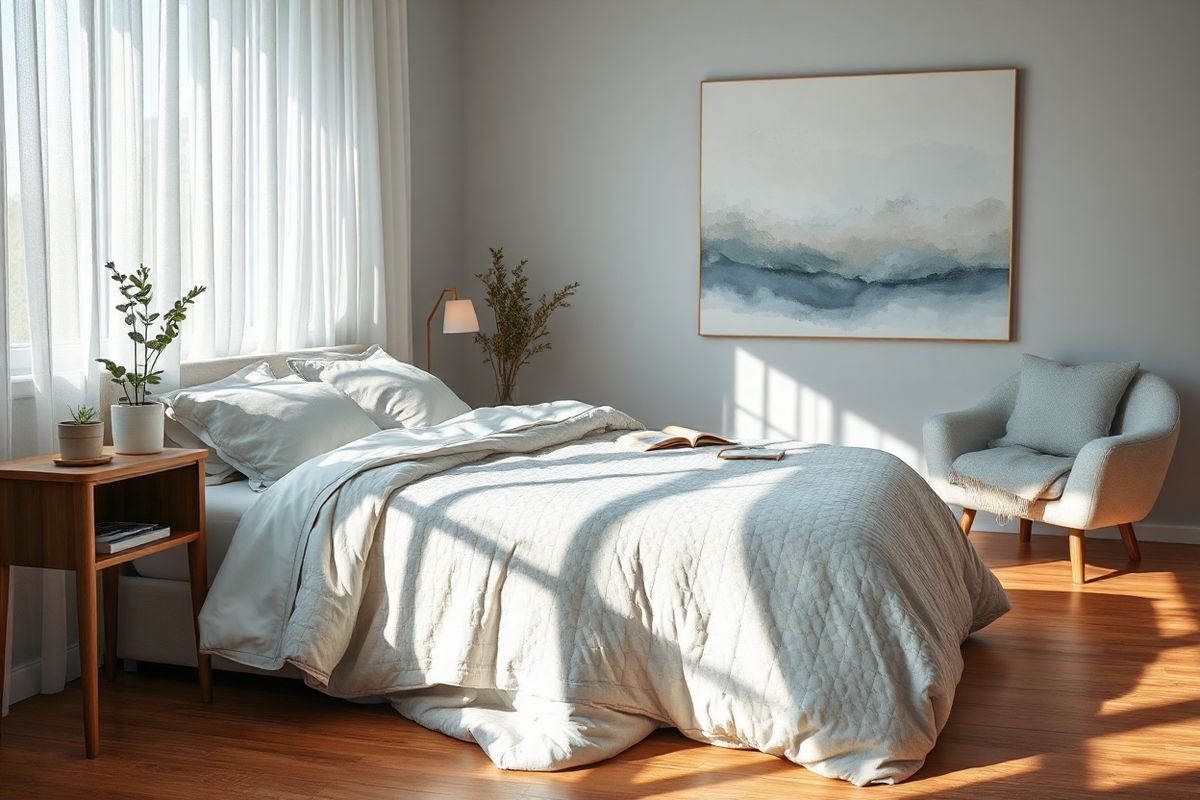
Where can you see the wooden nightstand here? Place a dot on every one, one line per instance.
(47, 519)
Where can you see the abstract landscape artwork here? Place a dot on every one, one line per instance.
(864, 206)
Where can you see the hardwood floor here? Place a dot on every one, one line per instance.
(1090, 691)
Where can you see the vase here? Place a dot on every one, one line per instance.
(80, 442)
(506, 394)
(137, 429)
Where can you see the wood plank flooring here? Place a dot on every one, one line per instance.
(1078, 692)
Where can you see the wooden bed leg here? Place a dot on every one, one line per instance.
(966, 520)
(1026, 529)
(1075, 543)
(1131, 543)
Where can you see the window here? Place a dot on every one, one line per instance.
(230, 144)
(18, 303)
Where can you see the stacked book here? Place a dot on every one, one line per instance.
(113, 537)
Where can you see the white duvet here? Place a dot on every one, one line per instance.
(514, 578)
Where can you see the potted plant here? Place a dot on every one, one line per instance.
(81, 438)
(137, 422)
(522, 330)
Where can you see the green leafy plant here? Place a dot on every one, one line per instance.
(82, 415)
(138, 294)
(522, 328)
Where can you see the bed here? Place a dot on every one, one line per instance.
(516, 578)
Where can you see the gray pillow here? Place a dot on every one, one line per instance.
(1061, 408)
(393, 394)
(265, 430)
(215, 468)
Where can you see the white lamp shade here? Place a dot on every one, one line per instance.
(460, 317)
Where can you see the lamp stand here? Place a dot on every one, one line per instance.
(429, 326)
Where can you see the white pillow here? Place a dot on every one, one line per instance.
(392, 393)
(265, 430)
(215, 468)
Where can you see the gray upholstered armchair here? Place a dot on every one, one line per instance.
(1114, 481)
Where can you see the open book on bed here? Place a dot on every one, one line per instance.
(672, 436)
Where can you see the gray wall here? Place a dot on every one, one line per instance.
(580, 137)
(435, 86)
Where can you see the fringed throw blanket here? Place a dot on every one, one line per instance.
(1008, 480)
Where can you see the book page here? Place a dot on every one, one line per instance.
(650, 440)
(694, 437)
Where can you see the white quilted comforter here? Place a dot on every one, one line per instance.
(514, 578)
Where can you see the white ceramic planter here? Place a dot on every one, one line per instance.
(138, 430)
(80, 442)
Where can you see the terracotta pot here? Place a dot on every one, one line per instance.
(78, 442)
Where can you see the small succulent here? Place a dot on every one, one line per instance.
(83, 415)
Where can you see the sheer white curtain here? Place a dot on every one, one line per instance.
(257, 147)
(279, 151)
(5, 390)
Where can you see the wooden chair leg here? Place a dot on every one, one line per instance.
(1075, 542)
(1026, 529)
(1131, 543)
(966, 520)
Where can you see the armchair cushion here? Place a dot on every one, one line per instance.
(1061, 408)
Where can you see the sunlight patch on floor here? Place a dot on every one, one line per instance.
(1143, 754)
(1165, 679)
(1003, 770)
(1161, 685)
(1180, 616)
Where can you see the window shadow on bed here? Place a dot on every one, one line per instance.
(1025, 710)
(572, 598)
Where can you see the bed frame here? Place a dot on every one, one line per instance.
(156, 614)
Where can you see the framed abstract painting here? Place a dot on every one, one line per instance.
(859, 206)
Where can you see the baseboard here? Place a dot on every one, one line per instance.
(1146, 531)
(25, 680)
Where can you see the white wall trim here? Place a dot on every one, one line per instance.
(25, 680)
(1146, 531)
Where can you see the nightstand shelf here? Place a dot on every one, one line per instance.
(106, 560)
(48, 517)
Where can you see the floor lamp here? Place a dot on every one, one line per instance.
(459, 318)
